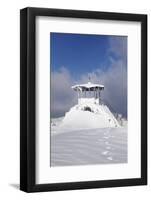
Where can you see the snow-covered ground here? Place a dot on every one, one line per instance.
(87, 146)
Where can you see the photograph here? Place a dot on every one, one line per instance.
(83, 100)
(88, 99)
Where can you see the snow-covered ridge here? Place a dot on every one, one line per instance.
(85, 116)
(89, 116)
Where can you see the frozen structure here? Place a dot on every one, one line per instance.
(90, 112)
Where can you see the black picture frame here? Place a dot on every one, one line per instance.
(28, 99)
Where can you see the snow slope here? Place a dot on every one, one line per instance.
(86, 147)
(88, 134)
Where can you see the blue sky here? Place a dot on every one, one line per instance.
(80, 52)
(75, 57)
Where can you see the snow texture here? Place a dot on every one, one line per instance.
(88, 134)
(86, 147)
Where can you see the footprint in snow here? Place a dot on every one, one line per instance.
(108, 147)
(105, 137)
(105, 152)
(109, 158)
(106, 142)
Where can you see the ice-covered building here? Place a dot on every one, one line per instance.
(90, 112)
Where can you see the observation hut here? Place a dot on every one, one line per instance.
(88, 93)
(90, 112)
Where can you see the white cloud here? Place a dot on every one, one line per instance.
(118, 46)
(62, 96)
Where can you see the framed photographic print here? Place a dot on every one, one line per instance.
(83, 95)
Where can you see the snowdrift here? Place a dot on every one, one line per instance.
(88, 116)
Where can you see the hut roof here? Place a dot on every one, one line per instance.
(87, 87)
